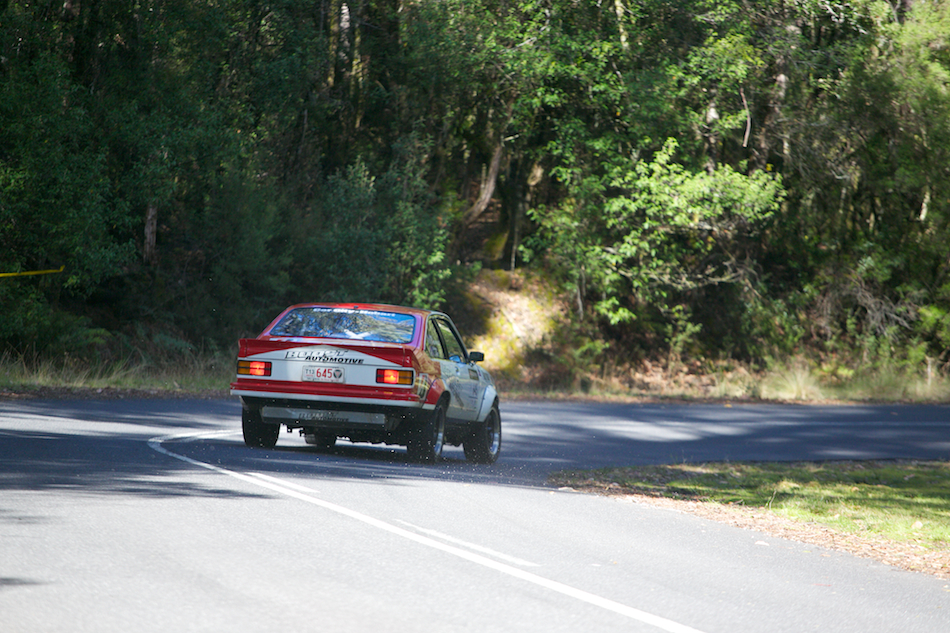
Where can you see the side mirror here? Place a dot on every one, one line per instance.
(475, 357)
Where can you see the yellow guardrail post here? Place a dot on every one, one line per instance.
(34, 272)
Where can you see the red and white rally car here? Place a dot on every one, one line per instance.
(369, 373)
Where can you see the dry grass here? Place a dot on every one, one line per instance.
(189, 374)
(523, 329)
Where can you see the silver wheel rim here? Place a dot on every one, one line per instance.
(494, 433)
(439, 438)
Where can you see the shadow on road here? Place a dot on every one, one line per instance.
(100, 447)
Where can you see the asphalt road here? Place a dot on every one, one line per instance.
(153, 516)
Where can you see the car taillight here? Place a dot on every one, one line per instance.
(253, 368)
(394, 376)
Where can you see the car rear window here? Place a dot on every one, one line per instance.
(360, 325)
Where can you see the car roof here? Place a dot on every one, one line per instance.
(382, 307)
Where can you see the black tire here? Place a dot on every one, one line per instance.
(323, 441)
(257, 434)
(484, 444)
(427, 439)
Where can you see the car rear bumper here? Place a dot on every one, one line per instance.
(386, 400)
(323, 418)
(337, 414)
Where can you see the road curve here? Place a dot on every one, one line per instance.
(152, 515)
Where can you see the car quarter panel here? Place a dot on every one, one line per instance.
(489, 396)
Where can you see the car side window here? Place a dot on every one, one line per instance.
(433, 343)
(453, 346)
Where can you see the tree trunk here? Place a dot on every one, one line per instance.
(487, 189)
(151, 226)
(620, 9)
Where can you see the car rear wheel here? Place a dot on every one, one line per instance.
(484, 444)
(257, 434)
(426, 442)
(323, 441)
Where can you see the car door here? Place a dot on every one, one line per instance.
(448, 369)
(461, 379)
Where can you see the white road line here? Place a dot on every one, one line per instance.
(282, 487)
(193, 437)
(429, 532)
(281, 482)
(472, 546)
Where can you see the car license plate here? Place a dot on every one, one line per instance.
(323, 374)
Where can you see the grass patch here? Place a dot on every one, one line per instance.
(895, 500)
(187, 373)
(794, 381)
(894, 385)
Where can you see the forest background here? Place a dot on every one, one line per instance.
(733, 182)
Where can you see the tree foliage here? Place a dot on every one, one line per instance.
(753, 176)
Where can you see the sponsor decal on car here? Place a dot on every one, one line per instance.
(323, 356)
